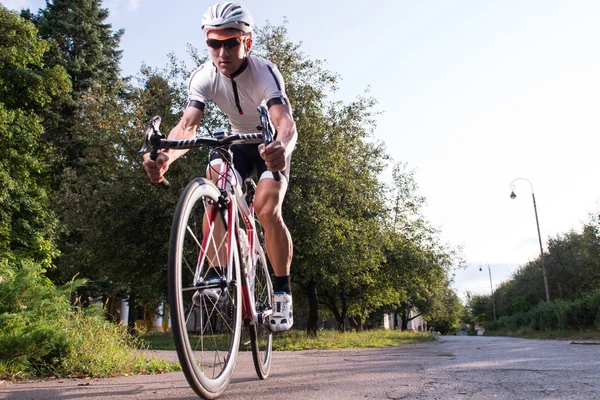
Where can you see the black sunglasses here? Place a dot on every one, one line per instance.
(229, 43)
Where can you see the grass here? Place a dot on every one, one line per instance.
(573, 335)
(103, 349)
(91, 347)
(326, 340)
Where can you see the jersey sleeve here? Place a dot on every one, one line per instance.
(198, 87)
(273, 86)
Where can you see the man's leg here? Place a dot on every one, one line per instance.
(278, 242)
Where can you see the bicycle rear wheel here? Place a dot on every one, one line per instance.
(205, 314)
(260, 337)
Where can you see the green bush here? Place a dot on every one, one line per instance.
(30, 312)
(580, 314)
(42, 333)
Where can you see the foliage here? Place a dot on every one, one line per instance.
(478, 310)
(418, 265)
(25, 81)
(116, 222)
(83, 44)
(81, 41)
(28, 227)
(359, 246)
(572, 268)
(41, 333)
(30, 309)
(334, 208)
(345, 237)
(580, 314)
(27, 224)
(573, 262)
(447, 314)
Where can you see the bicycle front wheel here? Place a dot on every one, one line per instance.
(260, 337)
(205, 313)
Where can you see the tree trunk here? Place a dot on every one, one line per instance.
(312, 325)
(132, 313)
(344, 311)
(336, 312)
(356, 323)
(342, 317)
(404, 315)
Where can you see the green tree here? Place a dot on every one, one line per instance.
(523, 291)
(573, 262)
(117, 222)
(573, 271)
(335, 201)
(335, 208)
(446, 314)
(28, 226)
(478, 310)
(417, 264)
(85, 45)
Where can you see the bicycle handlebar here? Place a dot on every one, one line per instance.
(157, 141)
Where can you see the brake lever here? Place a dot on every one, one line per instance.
(151, 130)
(268, 133)
(153, 137)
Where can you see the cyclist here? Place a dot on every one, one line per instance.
(238, 82)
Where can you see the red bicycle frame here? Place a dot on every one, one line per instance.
(236, 203)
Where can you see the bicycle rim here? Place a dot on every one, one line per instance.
(260, 337)
(206, 317)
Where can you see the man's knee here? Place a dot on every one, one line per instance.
(269, 214)
(269, 196)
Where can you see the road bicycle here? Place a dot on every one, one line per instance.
(218, 278)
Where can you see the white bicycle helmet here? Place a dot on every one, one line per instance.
(227, 15)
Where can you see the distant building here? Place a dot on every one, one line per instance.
(393, 321)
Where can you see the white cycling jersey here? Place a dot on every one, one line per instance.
(258, 82)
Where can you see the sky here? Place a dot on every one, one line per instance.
(473, 94)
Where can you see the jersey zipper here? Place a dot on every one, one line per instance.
(236, 96)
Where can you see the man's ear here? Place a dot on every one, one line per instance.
(248, 44)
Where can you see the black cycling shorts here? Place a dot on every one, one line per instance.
(246, 160)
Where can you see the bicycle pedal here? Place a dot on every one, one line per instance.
(264, 322)
(267, 327)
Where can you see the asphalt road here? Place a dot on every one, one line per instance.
(451, 368)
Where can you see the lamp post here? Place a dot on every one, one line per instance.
(514, 196)
(492, 290)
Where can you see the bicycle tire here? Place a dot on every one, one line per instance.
(206, 322)
(261, 338)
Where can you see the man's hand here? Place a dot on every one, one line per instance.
(156, 169)
(274, 155)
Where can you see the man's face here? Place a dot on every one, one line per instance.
(227, 49)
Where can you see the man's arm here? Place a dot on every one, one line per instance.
(276, 153)
(185, 129)
(281, 115)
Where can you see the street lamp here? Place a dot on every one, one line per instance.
(492, 290)
(514, 196)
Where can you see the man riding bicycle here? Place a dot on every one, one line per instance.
(238, 82)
